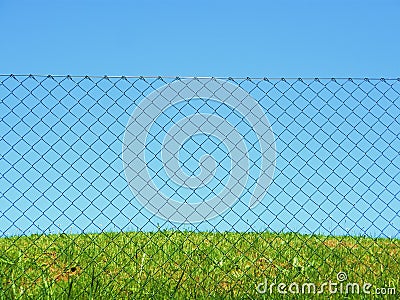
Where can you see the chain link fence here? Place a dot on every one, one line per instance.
(162, 187)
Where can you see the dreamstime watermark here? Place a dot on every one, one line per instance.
(145, 115)
(339, 286)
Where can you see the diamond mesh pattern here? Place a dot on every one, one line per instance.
(336, 183)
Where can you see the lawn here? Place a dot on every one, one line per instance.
(193, 265)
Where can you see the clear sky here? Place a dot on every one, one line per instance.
(201, 38)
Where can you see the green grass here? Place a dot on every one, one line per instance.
(189, 265)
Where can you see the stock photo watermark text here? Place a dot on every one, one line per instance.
(338, 286)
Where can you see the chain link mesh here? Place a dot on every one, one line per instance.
(71, 227)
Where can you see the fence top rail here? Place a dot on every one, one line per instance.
(202, 77)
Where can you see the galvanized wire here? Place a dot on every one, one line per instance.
(336, 169)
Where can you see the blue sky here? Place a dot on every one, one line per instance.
(201, 38)
(214, 38)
